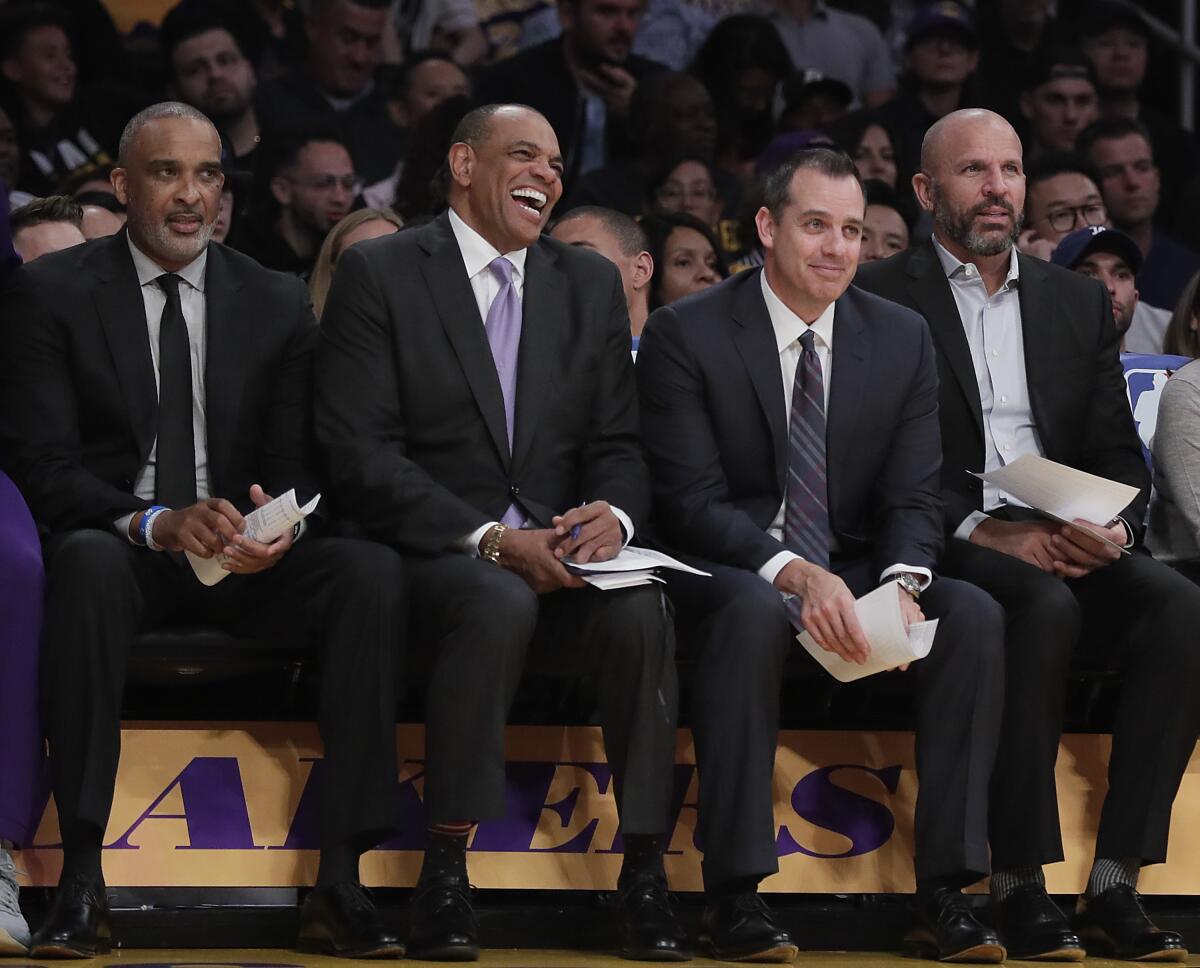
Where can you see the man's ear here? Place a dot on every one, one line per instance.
(643, 270)
(923, 188)
(462, 163)
(120, 183)
(281, 190)
(766, 227)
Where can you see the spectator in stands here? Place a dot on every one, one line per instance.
(1013, 34)
(451, 26)
(671, 117)
(1117, 41)
(337, 85)
(210, 67)
(1061, 197)
(366, 223)
(811, 100)
(742, 63)
(688, 186)
(112, 501)
(1120, 151)
(870, 143)
(1112, 258)
(837, 43)
(887, 225)
(10, 151)
(417, 445)
(99, 221)
(1173, 531)
(622, 242)
(1183, 331)
(941, 52)
(46, 225)
(21, 744)
(1058, 101)
(686, 256)
(90, 181)
(1052, 580)
(423, 82)
(59, 134)
(421, 188)
(788, 556)
(305, 184)
(584, 81)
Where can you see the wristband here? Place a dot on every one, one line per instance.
(147, 527)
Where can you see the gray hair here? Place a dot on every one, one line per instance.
(164, 109)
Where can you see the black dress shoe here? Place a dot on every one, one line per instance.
(739, 927)
(341, 919)
(1033, 928)
(442, 922)
(648, 927)
(948, 930)
(1115, 924)
(77, 925)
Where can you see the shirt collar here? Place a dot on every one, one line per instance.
(954, 268)
(148, 270)
(788, 326)
(478, 253)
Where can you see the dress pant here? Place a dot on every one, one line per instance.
(477, 624)
(1138, 617)
(736, 631)
(21, 746)
(101, 591)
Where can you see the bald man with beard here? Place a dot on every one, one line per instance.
(1028, 364)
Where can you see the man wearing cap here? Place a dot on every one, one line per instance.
(1110, 257)
(1059, 101)
(1028, 365)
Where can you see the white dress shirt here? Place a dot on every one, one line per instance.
(195, 315)
(788, 329)
(477, 254)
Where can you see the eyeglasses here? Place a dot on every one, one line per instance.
(1066, 219)
(670, 194)
(327, 183)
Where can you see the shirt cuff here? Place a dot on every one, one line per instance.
(626, 524)
(924, 575)
(970, 523)
(775, 564)
(469, 545)
(122, 526)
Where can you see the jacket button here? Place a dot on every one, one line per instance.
(514, 490)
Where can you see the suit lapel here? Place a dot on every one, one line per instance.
(850, 356)
(544, 314)
(446, 277)
(229, 331)
(1039, 337)
(754, 337)
(931, 292)
(118, 300)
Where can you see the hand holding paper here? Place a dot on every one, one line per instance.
(272, 519)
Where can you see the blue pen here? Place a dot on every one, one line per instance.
(575, 530)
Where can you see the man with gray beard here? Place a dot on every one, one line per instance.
(1028, 364)
(157, 390)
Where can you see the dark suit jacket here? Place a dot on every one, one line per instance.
(714, 425)
(78, 403)
(540, 78)
(1076, 386)
(409, 408)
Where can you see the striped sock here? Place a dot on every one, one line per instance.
(1005, 882)
(1107, 873)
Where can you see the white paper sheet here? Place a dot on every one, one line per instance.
(882, 622)
(633, 559)
(263, 524)
(1063, 493)
(627, 579)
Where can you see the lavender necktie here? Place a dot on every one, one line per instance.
(503, 327)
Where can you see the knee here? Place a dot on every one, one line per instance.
(640, 622)
(506, 604)
(21, 571)
(88, 560)
(976, 621)
(366, 568)
(1052, 606)
(750, 636)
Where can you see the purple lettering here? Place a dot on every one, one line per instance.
(867, 823)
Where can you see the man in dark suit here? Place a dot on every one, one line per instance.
(1027, 355)
(476, 401)
(796, 516)
(157, 386)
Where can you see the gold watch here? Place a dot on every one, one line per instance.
(491, 546)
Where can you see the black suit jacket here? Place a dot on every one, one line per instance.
(78, 402)
(715, 429)
(409, 408)
(1076, 386)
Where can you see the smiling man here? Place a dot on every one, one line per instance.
(790, 422)
(1028, 365)
(476, 403)
(160, 385)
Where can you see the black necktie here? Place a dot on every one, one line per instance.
(175, 464)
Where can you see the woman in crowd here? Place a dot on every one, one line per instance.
(691, 185)
(687, 256)
(870, 143)
(366, 223)
(1182, 337)
(887, 226)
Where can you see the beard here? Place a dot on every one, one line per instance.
(959, 225)
(183, 248)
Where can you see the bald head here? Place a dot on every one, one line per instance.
(958, 129)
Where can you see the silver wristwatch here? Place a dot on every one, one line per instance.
(908, 582)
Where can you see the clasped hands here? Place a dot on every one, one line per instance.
(536, 554)
(214, 526)
(1059, 549)
(827, 610)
